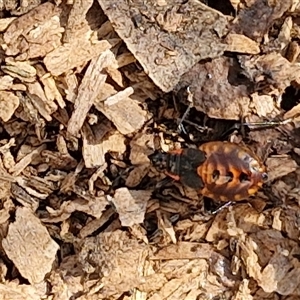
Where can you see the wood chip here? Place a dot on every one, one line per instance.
(89, 88)
(241, 44)
(34, 34)
(175, 42)
(73, 54)
(9, 102)
(131, 205)
(124, 112)
(30, 247)
(94, 148)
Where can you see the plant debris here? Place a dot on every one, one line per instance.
(90, 92)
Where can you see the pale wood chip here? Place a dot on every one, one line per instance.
(124, 112)
(7, 205)
(94, 207)
(107, 91)
(235, 4)
(15, 291)
(241, 44)
(73, 54)
(5, 22)
(280, 166)
(89, 88)
(30, 247)
(20, 69)
(131, 205)
(9, 102)
(24, 162)
(94, 148)
(71, 86)
(284, 36)
(6, 82)
(277, 223)
(125, 59)
(184, 250)
(63, 288)
(95, 224)
(293, 52)
(294, 112)
(244, 292)
(44, 106)
(141, 147)
(264, 105)
(76, 19)
(115, 75)
(166, 226)
(270, 249)
(35, 33)
(50, 87)
(173, 38)
(111, 254)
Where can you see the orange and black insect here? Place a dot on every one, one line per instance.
(222, 171)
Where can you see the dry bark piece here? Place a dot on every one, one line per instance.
(25, 6)
(188, 277)
(131, 205)
(141, 147)
(119, 259)
(268, 248)
(94, 207)
(74, 54)
(294, 112)
(9, 102)
(76, 19)
(293, 52)
(213, 93)
(184, 250)
(5, 22)
(124, 112)
(265, 12)
(14, 291)
(20, 69)
(270, 72)
(95, 224)
(171, 34)
(88, 90)
(280, 166)
(37, 95)
(95, 146)
(242, 44)
(50, 87)
(25, 161)
(34, 34)
(240, 219)
(136, 175)
(30, 247)
(7, 206)
(244, 291)
(264, 105)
